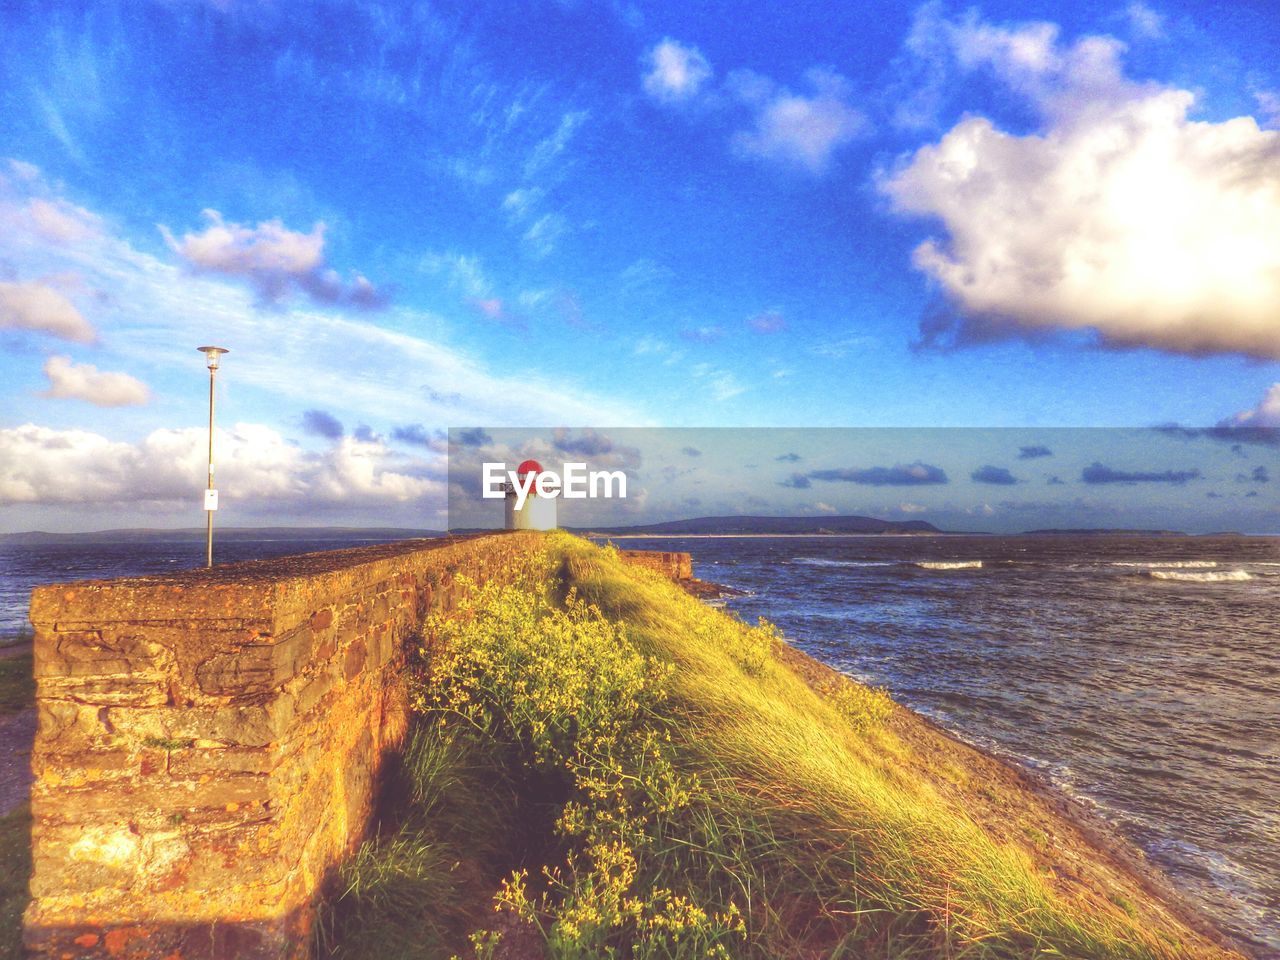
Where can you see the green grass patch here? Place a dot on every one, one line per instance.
(15, 855)
(639, 776)
(17, 685)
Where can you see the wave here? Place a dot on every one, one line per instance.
(949, 564)
(1216, 577)
(1167, 564)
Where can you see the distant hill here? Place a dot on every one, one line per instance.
(196, 534)
(760, 525)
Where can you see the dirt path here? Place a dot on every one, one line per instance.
(17, 730)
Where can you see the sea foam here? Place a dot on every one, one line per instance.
(949, 564)
(1167, 564)
(1214, 577)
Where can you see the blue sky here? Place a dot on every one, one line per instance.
(994, 479)
(402, 218)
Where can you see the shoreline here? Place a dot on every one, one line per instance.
(1094, 834)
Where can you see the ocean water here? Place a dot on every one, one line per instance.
(1141, 675)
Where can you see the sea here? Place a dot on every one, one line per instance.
(1139, 674)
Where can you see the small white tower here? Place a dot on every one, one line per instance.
(538, 513)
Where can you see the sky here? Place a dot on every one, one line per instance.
(1003, 480)
(598, 214)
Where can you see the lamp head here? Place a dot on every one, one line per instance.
(212, 354)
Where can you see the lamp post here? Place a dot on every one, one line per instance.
(212, 355)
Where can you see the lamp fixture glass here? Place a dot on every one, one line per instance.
(212, 354)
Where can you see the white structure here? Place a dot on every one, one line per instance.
(538, 513)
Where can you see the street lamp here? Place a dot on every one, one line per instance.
(212, 355)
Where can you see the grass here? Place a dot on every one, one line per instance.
(17, 686)
(15, 855)
(637, 775)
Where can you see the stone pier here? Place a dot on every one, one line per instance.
(210, 742)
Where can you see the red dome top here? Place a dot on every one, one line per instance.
(528, 467)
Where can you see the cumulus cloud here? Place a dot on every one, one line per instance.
(1257, 426)
(796, 129)
(1097, 473)
(788, 457)
(1266, 414)
(257, 466)
(675, 72)
(322, 424)
(38, 306)
(1034, 452)
(996, 476)
(900, 475)
(1121, 215)
(275, 259)
(83, 381)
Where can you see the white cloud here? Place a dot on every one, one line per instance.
(83, 381)
(1122, 215)
(544, 233)
(24, 171)
(799, 130)
(1144, 22)
(270, 247)
(272, 257)
(1265, 414)
(257, 467)
(549, 148)
(521, 202)
(840, 348)
(675, 72)
(464, 273)
(58, 220)
(1269, 108)
(721, 384)
(154, 312)
(37, 306)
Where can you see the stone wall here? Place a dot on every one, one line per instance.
(677, 566)
(209, 743)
